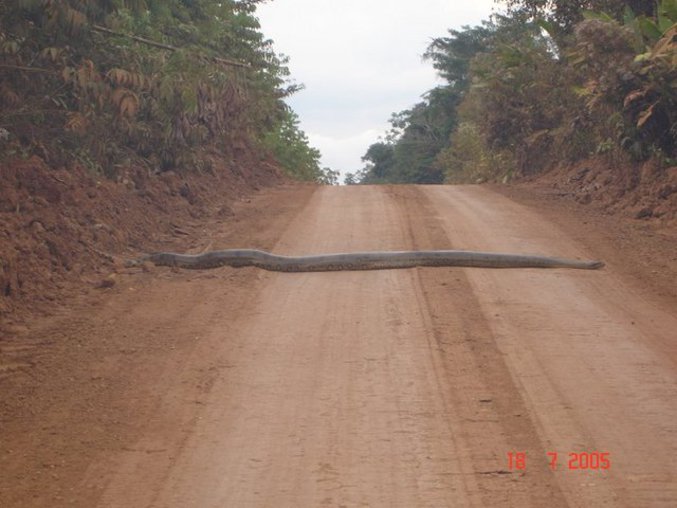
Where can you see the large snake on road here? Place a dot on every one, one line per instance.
(383, 260)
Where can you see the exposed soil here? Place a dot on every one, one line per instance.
(83, 381)
(390, 388)
(645, 192)
(650, 246)
(63, 232)
(159, 387)
(614, 209)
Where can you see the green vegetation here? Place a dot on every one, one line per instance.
(550, 82)
(291, 147)
(565, 14)
(164, 83)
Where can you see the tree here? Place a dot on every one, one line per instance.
(567, 13)
(380, 160)
(329, 176)
(291, 148)
(451, 56)
(627, 74)
(532, 107)
(519, 96)
(417, 135)
(107, 84)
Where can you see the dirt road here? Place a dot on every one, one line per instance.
(389, 388)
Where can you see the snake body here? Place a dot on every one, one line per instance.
(382, 260)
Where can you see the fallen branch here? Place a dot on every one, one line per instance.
(161, 45)
(28, 69)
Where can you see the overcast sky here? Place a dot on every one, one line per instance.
(360, 61)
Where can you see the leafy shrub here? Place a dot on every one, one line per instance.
(291, 148)
(107, 83)
(469, 158)
(630, 73)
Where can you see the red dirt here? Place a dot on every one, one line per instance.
(620, 208)
(62, 231)
(403, 387)
(145, 386)
(645, 191)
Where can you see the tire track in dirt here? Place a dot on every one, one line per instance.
(594, 361)
(332, 397)
(103, 370)
(489, 409)
(377, 388)
(389, 388)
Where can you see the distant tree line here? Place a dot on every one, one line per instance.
(550, 81)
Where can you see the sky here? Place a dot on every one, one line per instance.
(360, 61)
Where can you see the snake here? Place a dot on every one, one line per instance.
(376, 260)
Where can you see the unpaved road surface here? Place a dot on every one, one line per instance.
(407, 388)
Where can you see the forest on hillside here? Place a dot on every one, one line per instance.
(548, 82)
(162, 84)
(169, 85)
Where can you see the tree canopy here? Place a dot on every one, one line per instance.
(417, 135)
(551, 81)
(567, 13)
(106, 83)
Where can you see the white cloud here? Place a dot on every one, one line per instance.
(360, 61)
(340, 152)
